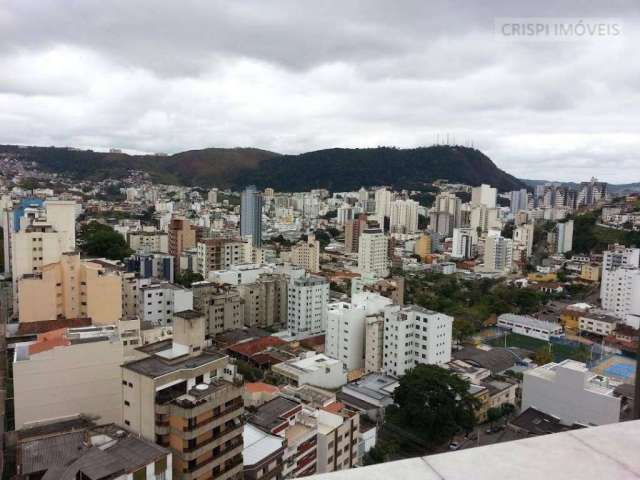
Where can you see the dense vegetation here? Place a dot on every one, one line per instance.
(432, 405)
(99, 240)
(470, 302)
(588, 236)
(336, 169)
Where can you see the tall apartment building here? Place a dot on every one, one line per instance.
(182, 236)
(71, 288)
(519, 200)
(414, 335)
(446, 213)
(251, 215)
(424, 246)
(221, 306)
(462, 243)
(373, 252)
(307, 305)
(483, 219)
(158, 302)
(564, 237)
(306, 254)
(220, 253)
(620, 292)
(484, 195)
(383, 199)
(373, 343)
(498, 254)
(523, 237)
(148, 242)
(67, 372)
(212, 196)
(591, 193)
(346, 328)
(617, 287)
(188, 399)
(265, 301)
(352, 231)
(404, 216)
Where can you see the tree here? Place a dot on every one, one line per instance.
(462, 329)
(99, 240)
(494, 414)
(187, 278)
(433, 404)
(542, 356)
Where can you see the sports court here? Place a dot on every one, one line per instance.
(617, 367)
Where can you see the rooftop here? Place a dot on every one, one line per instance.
(609, 451)
(309, 364)
(496, 359)
(529, 321)
(97, 452)
(272, 413)
(258, 445)
(374, 385)
(155, 367)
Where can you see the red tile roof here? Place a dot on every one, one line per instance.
(35, 328)
(251, 347)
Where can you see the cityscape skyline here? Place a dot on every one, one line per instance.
(361, 78)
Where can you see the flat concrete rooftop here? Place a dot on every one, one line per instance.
(606, 452)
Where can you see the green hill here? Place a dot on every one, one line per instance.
(336, 169)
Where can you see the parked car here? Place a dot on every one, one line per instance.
(454, 446)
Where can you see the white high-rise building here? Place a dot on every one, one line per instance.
(620, 291)
(484, 195)
(482, 219)
(404, 216)
(523, 237)
(212, 196)
(383, 203)
(498, 253)
(414, 335)
(462, 243)
(373, 252)
(346, 325)
(618, 257)
(308, 298)
(564, 236)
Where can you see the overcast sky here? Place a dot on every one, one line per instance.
(299, 75)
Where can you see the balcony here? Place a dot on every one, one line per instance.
(191, 453)
(198, 470)
(209, 424)
(594, 453)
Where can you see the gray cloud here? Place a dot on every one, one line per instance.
(293, 76)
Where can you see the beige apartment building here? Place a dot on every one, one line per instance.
(148, 242)
(338, 438)
(221, 253)
(187, 398)
(71, 288)
(373, 343)
(67, 372)
(182, 236)
(305, 254)
(265, 301)
(423, 247)
(220, 304)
